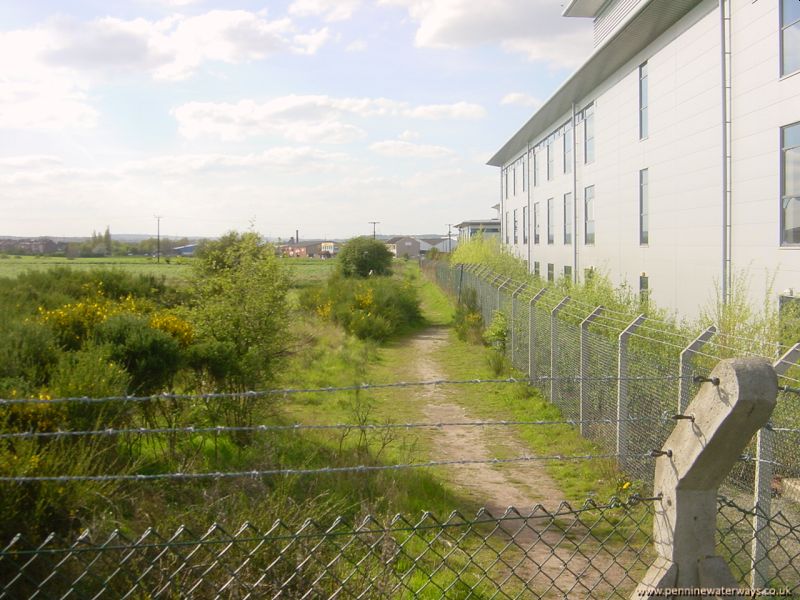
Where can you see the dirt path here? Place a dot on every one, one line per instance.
(521, 485)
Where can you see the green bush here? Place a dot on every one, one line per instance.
(150, 356)
(496, 335)
(28, 352)
(467, 320)
(364, 256)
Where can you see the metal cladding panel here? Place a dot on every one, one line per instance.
(608, 20)
(650, 21)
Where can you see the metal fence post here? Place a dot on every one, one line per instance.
(584, 362)
(532, 368)
(622, 389)
(500, 292)
(762, 493)
(554, 348)
(686, 364)
(513, 319)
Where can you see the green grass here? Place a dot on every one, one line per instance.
(175, 272)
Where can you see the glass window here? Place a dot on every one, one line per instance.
(524, 224)
(644, 290)
(588, 215)
(790, 186)
(516, 229)
(567, 150)
(514, 180)
(550, 161)
(588, 134)
(536, 223)
(506, 183)
(536, 268)
(790, 36)
(568, 218)
(523, 175)
(568, 272)
(551, 221)
(551, 272)
(506, 227)
(644, 207)
(643, 101)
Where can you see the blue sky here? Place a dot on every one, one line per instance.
(317, 115)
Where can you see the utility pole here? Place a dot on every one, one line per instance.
(158, 238)
(449, 242)
(373, 223)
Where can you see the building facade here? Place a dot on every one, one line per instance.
(670, 159)
(485, 227)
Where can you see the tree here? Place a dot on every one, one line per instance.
(363, 255)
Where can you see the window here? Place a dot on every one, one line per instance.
(568, 150)
(535, 168)
(568, 218)
(551, 272)
(790, 185)
(588, 134)
(536, 268)
(550, 161)
(536, 223)
(524, 224)
(523, 175)
(516, 229)
(644, 290)
(790, 36)
(568, 272)
(506, 227)
(588, 215)
(551, 221)
(644, 208)
(643, 101)
(514, 180)
(506, 183)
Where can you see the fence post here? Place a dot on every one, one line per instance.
(500, 292)
(532, 367)
(762, 492)
(460, 280)
(513, 319)
(695, 459)
(622, 389)
(554, 348)
(584, 362)
(686, 364)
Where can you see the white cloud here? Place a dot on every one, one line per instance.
(408, 134)
(309, 43)
(330, 10)
(401, 149)
(521, 99)
(304, 119)
(356, 46)
(532, 27)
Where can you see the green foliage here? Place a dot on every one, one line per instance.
(486, 250)
(364, 256)
(496, 335)
(150, 356)
(374, 308)
(28, 352)
(240, 301)
(467, 320)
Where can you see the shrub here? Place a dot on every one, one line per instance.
(28, 352)
(467, 320)
(496, 335)
(364, 256)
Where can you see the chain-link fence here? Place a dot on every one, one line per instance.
(635, 374)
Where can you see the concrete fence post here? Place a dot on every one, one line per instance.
(762, 492)
(622, 389)
(584, 364)
(554, 348)
(514, 320)
(532, 366)
(692, 464)
(686, 364)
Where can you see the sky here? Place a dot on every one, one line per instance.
(310, 115)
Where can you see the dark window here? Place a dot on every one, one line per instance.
(516, 228)
(536, 223)
(588, 134)
(790, 186)
(536, 268)
(644, 207)
(568, 150)
(514, 179)
(551, 271)
(507, 227)
(506, 183)
(790, 36)
(523, 175)
(588, 215)
(551, 221)
(568, 218)
(643, 101)
(568, 272)
(524, 224)
(550, 161)
(644, 290)
(536, 162)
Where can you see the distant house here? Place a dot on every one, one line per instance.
(328, 249)
(308, 249)
(187, 250)
(42, 245)
(440, 244)
(404, 246)
(488, 227)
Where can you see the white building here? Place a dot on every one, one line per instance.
(671, 159)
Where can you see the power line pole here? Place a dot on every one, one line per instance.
(158, 238)
(373, 223)
(449, 239)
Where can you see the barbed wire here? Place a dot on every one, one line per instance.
(139, 477)
(110, 431)
(347, 388)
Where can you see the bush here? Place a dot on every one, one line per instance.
(467, 320)
(364, 256)
(496, 335)
(28, 352)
